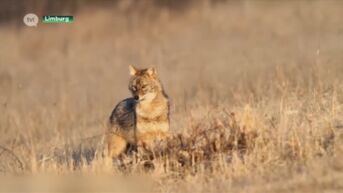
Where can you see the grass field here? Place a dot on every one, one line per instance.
(256, 90)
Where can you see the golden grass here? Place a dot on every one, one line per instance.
(255, 88)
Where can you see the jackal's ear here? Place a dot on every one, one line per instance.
(133, 70)
(151, 71)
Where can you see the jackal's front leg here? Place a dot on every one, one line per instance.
(116, 144)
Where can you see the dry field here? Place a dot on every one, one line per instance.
(256, 91)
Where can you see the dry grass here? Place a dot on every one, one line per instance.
(255, 88)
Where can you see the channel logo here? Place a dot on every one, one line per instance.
(32, 19)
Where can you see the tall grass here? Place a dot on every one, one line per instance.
(255, 89)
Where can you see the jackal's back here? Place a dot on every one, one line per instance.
(123, 119)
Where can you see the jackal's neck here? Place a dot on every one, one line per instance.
(153, 108)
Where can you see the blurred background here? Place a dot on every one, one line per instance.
(59, 82)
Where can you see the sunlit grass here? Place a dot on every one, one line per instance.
(255, 90)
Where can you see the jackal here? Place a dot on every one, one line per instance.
(141, 119)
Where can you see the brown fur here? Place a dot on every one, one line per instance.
(140, 120)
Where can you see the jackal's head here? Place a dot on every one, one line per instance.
(144, 83)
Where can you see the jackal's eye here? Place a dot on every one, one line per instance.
(145, 87)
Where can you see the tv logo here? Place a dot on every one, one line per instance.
(31, 20)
